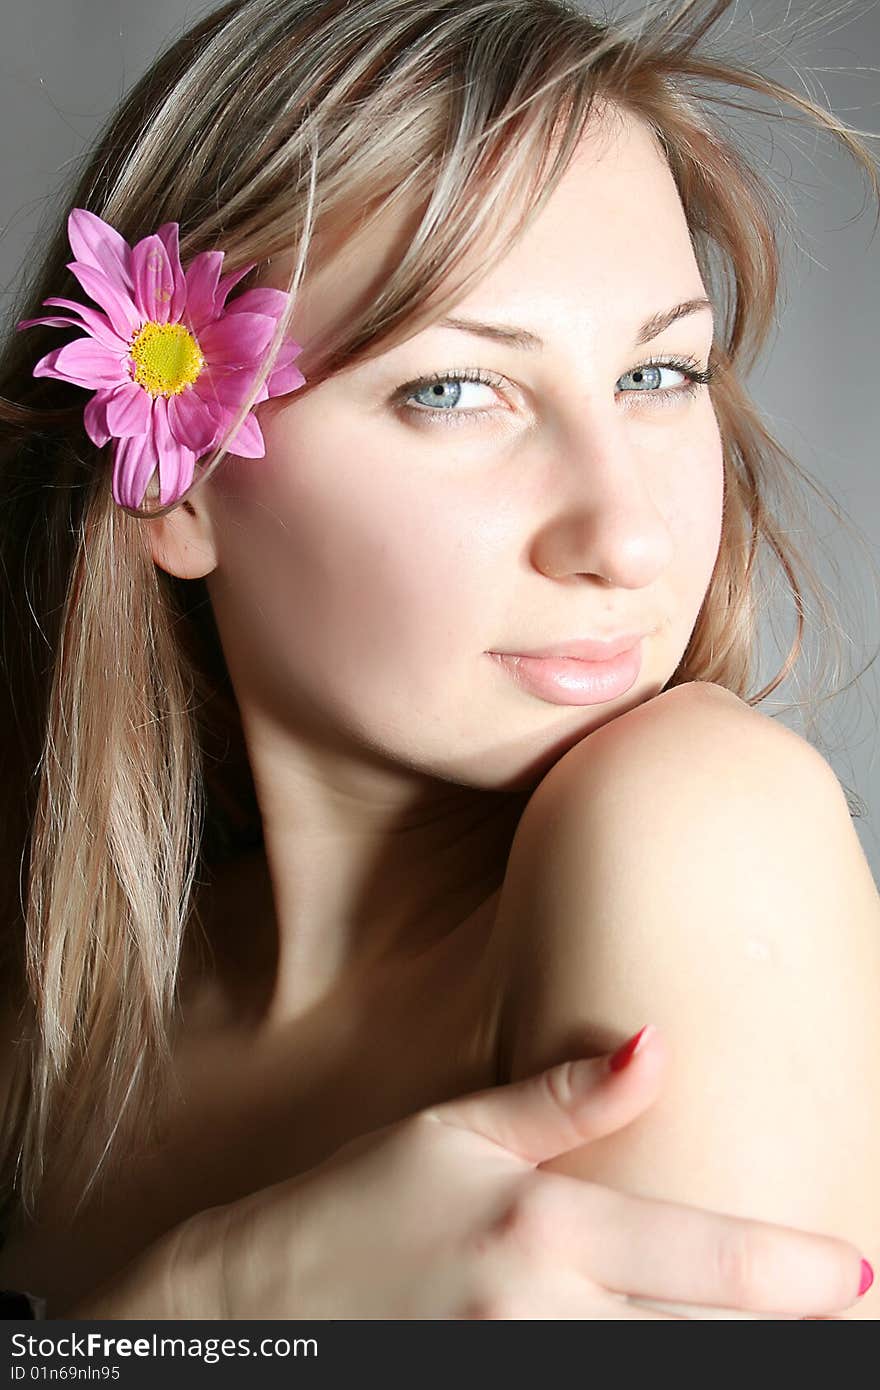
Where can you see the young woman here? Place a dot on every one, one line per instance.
(379, 749)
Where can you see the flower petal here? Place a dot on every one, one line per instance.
(287, 352)
(228, 283)
(95, 243)
(95, 419)
(169, 233)
(284, 376)
(236, 340)
(97, 323)
(202, 275)
(153, 280)
(60, 321)
(227, 387)
(84, 363)
(134, 463)
(224, 388)
(176, 462)
(248, 443)
(117, 304)
(230, 385)
(262, 299)
(191, 421)
(129, 410)
(284, 379)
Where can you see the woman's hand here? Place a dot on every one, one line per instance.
(447, 1214)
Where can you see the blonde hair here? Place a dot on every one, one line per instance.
(265, 127)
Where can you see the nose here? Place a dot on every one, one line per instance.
(606, 523)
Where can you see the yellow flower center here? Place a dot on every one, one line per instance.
(167, 358)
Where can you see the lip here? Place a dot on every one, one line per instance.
(588, 648)
(563, 680)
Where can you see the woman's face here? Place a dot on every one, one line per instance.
(368, 565)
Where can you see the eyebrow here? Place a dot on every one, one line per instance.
(522, 338)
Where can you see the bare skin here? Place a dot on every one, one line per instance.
(392, 759)
(407, 1040)
(408, 1035)
(362, 572)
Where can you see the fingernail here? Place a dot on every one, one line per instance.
(618, 1060)
(867, 1278)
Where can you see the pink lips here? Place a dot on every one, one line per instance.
(589, 649)
(566, 681)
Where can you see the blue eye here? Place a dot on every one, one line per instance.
(647, 372)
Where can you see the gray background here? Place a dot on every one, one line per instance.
(65, 63)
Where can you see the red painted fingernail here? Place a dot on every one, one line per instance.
(625, 1054)
(867, 1278)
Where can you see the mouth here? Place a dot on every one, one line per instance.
(584, 648)
(566, 680)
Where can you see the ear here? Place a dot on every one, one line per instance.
(182, 543)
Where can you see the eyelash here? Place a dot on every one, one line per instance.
(689, 366)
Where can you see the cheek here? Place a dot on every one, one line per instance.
(341, 562)
(694, 508)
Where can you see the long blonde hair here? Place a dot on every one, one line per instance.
(267, 125)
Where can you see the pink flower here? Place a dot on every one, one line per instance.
(169, 361)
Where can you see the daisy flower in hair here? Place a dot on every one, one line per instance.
(169, 361)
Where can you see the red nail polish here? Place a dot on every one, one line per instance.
(625, 1054)
(867, 1278)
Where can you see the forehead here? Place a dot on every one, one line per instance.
(610, 242)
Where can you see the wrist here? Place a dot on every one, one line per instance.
(195, 1265)
(172, 1279)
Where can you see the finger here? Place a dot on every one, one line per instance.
(698, 1312)
(586, 1308)
(547, 1294)
(562, 1107)
(623, 1242)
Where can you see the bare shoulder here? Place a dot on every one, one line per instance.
(696, 730)
(693, 864)
(698, 710)
(625, 842)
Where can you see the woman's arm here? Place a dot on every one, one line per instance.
(693, 864)
(175, 1277)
